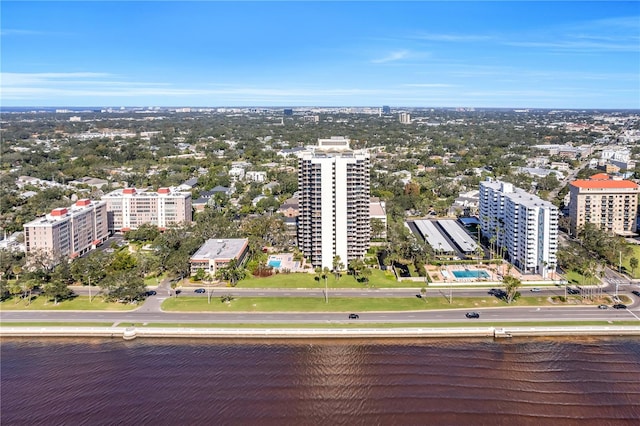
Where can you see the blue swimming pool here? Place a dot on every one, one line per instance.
(470, 274)
(274, 263)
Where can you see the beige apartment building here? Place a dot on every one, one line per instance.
(68, 232)
(130, 208)
(609, 202)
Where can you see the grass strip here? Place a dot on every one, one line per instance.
(350, 304)
(79, 303)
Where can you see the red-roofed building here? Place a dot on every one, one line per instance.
(129, 208)
(609, 202)
(67, 232)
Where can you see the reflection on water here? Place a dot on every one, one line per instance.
(431, 381)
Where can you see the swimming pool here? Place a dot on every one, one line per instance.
(274, 263)
(470, 274)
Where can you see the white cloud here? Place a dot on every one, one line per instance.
(392, 57)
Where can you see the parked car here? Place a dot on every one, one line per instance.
(619, 306)
(354, 316)
(199, 290)
(472, 315)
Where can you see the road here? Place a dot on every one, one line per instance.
(506, 314)
(150, 311)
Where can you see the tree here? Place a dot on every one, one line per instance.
(232, 273)
(56, 289)
(325, 274)
(337, 266)
(633, 263)
(90, 270)
(511, 286)
(123, 285)
(366, 273)
(377, 227)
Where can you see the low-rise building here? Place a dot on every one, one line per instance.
(215, 254)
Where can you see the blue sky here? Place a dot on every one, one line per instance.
(295, 53)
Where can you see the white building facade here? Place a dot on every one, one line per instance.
(129, 208)
(524, 226)
(334, 187)
(68, 232)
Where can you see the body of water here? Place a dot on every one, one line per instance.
(585, 381)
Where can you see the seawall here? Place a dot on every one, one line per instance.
(129, 333)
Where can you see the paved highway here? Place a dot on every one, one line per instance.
(508, 314)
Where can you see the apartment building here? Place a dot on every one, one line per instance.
(524, 226)
(130, 208)
(334, 220)
(609, 202)
(68, 232)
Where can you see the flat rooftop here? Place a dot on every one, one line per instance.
(228, 248)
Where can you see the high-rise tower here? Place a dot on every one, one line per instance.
(333, 182)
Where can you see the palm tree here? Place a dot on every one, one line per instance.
(511, 285)
(325, 274)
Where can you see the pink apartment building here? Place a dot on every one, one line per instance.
(68, 232)
(129, 208)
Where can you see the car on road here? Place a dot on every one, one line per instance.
(573, 291)
(603, 307)
(151, 293)
(619, 306)
(199, 290)
(472, 315)
(535, 289)
(419, 296)
(354, 316)
(636, 292)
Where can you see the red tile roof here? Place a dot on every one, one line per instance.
(604, 181)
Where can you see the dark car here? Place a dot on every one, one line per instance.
(636, 292)
(619, 306)
(472, 315)
(199, 290)
(151, 293)
(419, 296)
(573, 291)
(354, 316)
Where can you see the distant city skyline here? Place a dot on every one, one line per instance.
(575, 54)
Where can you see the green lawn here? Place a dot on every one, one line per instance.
(80, 303)
(576, 278)
(378, 279)
(341, 304)
(625, 261)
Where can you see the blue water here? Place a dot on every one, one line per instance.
(274, 263)
(470, 274)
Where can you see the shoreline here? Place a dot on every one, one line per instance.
(130, 333)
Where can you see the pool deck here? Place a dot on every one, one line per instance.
(286, 262)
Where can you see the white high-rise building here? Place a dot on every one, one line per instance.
(129, 208)
(333, 182)
(524, 226)
(68, 232)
